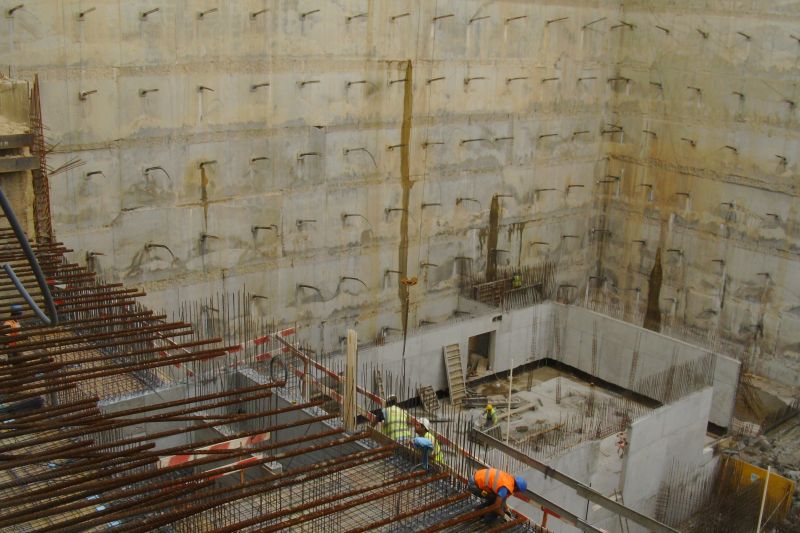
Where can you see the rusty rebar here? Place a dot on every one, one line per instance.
(353, 503)
(449, 500)
(93, 487)
(319, 470)
(92, 490)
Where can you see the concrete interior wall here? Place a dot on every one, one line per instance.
(672, 432)
(158, 396)
(513, 342)
(675, 432)
(526, 335)
(579, 463)
(210, 385)
(616, 344)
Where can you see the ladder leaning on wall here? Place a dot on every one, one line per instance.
(455, 373)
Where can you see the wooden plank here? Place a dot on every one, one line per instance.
(513, 411)
(428, 398)
(481, 401)
(18, 163)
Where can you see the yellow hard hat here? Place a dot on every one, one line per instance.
(489, 407)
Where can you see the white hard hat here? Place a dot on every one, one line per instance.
(425, 423)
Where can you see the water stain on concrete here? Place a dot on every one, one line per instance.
(405, 181)
(204, 195)
(652, 320)
(491, 244)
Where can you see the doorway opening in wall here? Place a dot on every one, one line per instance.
(481, 355)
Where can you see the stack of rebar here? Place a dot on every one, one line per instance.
(119, 418)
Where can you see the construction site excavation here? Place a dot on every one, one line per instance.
(400, 266)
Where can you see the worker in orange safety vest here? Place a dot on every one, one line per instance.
(495, 486)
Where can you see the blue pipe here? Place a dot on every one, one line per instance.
(51, 318)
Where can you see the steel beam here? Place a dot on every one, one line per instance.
(581, 489)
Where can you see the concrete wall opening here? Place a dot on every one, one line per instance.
(481, 354)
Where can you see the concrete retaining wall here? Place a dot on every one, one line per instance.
(708, 171)
(495, 108)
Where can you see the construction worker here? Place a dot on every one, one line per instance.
(423, 429)
(516, 280)
(491, 416)
(495, 486)
(395, 421)
(12, 326)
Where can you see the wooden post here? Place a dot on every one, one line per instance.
(349, 400)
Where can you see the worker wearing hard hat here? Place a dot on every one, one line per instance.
(491, 415)
(11, 330)
(395, 421)
(495, 486)
(423, 429)
(15, 310)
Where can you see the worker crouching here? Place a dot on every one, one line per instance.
(490, 416)
(11, 330)
(426, 442)
(495, 486)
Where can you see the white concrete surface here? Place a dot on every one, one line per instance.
(424, 360)
(616, 343)
(675, 432)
